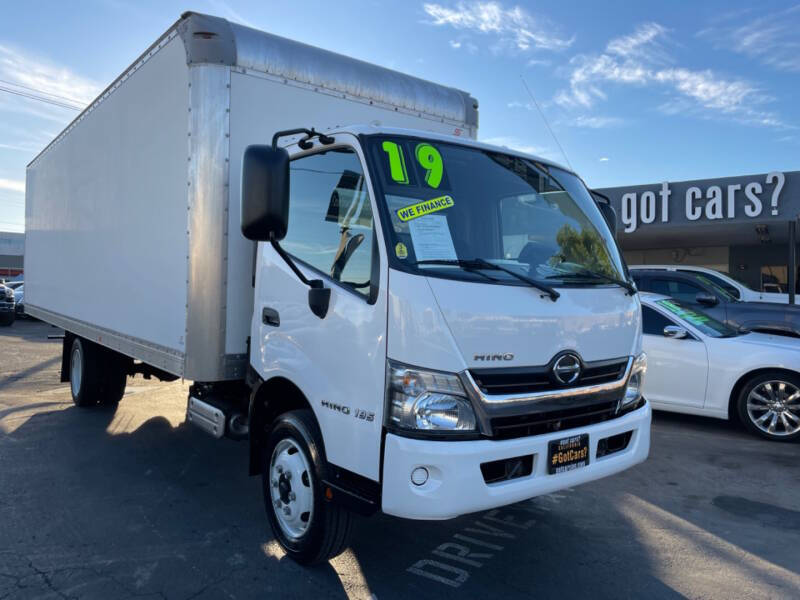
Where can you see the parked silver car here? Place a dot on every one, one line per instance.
(7, 305)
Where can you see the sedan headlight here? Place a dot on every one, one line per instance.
(633, 391)
(420, 400)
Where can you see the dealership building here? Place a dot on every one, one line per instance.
(12, 250)
(744, 225)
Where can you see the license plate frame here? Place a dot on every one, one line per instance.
(568, 454)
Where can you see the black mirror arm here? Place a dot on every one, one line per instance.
(319, 296)
(304, 143)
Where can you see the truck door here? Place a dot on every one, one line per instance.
(338, 362)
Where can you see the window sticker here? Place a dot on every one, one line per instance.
(684, 313)
(426, 207)
(431, 238)
(409, 164)
(400, 250)
(429, 159)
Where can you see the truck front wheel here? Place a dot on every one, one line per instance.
(309, 528)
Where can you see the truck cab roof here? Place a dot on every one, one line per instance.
(374, 129)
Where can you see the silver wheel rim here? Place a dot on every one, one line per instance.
(76, 370)
(774, 407)
(291, 488)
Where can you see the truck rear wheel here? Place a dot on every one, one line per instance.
(95, 374)
(309, 528)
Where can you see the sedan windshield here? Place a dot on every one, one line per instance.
(448, 204)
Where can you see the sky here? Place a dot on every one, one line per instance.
(627, 92)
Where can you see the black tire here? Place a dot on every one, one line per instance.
(85, 373)
(115, 377)
(751, 417)
(8, 320)
(329, 526)
(100, 375)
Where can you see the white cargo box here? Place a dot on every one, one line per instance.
(132, 212)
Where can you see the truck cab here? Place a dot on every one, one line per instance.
(478, 343)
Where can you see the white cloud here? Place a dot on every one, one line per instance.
(539, 62)
(773, 38)
(638, 59)
(12, 185)
(227, 11)
(46, 77)
(518, 145)
(518, 104)
(595, 122)
(513, 27)
(641, 43)
(455, 44)
(604, 159)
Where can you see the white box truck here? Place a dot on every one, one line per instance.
(393, 315)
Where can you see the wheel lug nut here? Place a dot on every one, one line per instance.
(280, 469)
(292, 496)
(289, 475)
(274, 483)
(277, 503)
(286, 510)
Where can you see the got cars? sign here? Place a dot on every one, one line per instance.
(761, 197)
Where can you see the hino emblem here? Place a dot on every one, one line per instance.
(567, 368)
(486, 357)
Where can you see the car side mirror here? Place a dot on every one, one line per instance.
(265, 193)
(675, 332)
(706, 299)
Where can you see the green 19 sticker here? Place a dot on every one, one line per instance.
(428, 158)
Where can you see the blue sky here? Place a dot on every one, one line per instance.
(635, 92)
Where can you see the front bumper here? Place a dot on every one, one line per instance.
(456, 485)
(6, 308)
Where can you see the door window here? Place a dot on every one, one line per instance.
(719, 282)
(681, 290)
(330, 217)
(653, 322)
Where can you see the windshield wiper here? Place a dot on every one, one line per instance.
(587, 274)
(478, 263)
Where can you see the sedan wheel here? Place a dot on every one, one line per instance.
(770, 406)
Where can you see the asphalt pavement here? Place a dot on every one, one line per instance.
(134, 502)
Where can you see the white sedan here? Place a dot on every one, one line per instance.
(700, 366)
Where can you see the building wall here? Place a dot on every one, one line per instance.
(748, 262)
(713, 257)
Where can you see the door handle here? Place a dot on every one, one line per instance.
(270, 316)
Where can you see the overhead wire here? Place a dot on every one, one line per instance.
(536, 104)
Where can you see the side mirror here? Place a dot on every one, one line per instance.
(265, 193)
(675, 332)
(706, 299)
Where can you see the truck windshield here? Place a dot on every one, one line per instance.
(449, 203)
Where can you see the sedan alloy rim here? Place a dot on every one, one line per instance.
(291, 488)
(774, 407)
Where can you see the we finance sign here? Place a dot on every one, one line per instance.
(767, 197)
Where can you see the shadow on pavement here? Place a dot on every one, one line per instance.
(169, 511)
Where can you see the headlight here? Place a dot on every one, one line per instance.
(419, 400)
(633, 391)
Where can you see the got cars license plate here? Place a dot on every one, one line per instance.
(568, 454)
